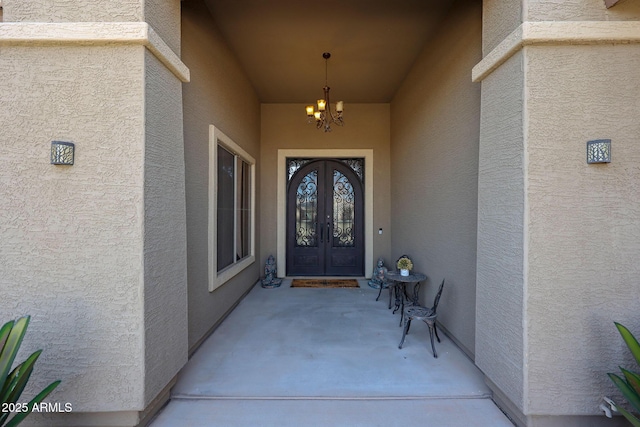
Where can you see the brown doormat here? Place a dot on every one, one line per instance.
(324, 283)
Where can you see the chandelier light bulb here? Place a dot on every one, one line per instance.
(309, 110)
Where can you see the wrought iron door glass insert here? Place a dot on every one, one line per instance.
(307, 210)
(343, 210)
(357, 165)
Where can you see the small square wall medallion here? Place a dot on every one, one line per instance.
(62, 153)
(599, 151)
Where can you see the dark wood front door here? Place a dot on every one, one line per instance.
(325, 221)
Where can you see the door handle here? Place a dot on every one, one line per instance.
(328, 226)
(321, 232)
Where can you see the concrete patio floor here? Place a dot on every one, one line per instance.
(326, 357)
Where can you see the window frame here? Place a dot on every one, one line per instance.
(218, 138)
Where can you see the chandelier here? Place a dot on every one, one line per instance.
(323, 116)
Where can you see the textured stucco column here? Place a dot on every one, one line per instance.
(95, 252)
(557, 238)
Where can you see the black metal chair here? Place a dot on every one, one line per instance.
(427, 314)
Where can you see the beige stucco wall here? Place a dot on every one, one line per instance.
(98, 249)
(219, 94)
(162, 15)
(74, 11)
(499, 306)
(165, 247)
(434, 168)
(579, 10)
(72, 236)
(571, 248)
(583, 222)
(164, 18)
(284, 126)
(499, 19)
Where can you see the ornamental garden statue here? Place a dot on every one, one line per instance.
(378, 281)
(270, 280)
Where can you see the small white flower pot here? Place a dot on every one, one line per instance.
(404, 272)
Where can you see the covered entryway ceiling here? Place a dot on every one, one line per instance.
(373, 44)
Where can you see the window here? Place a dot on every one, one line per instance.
(231, 213)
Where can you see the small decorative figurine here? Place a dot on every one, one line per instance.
(378, 280)
(270, 280)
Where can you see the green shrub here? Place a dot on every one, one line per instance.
(14, 382)
(629, 384)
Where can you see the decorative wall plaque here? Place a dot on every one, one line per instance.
(62, 153)
(599, 151)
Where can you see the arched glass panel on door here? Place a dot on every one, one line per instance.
(307, 210)
(343, 210)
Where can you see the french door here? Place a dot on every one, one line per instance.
(325, 221)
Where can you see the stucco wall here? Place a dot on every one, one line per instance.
(284, 126)
(584, 222)
(96, 252)
(576, 260)
(501, 205)
(162, 15)
(164, 18)
(71, 246)
(220, 94)
(434, 168)
(579, 10)
(74, 11)
(499, 19)
(165, 247)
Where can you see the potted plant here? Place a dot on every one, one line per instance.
(404, 265)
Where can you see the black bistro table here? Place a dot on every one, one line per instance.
(398, 283)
